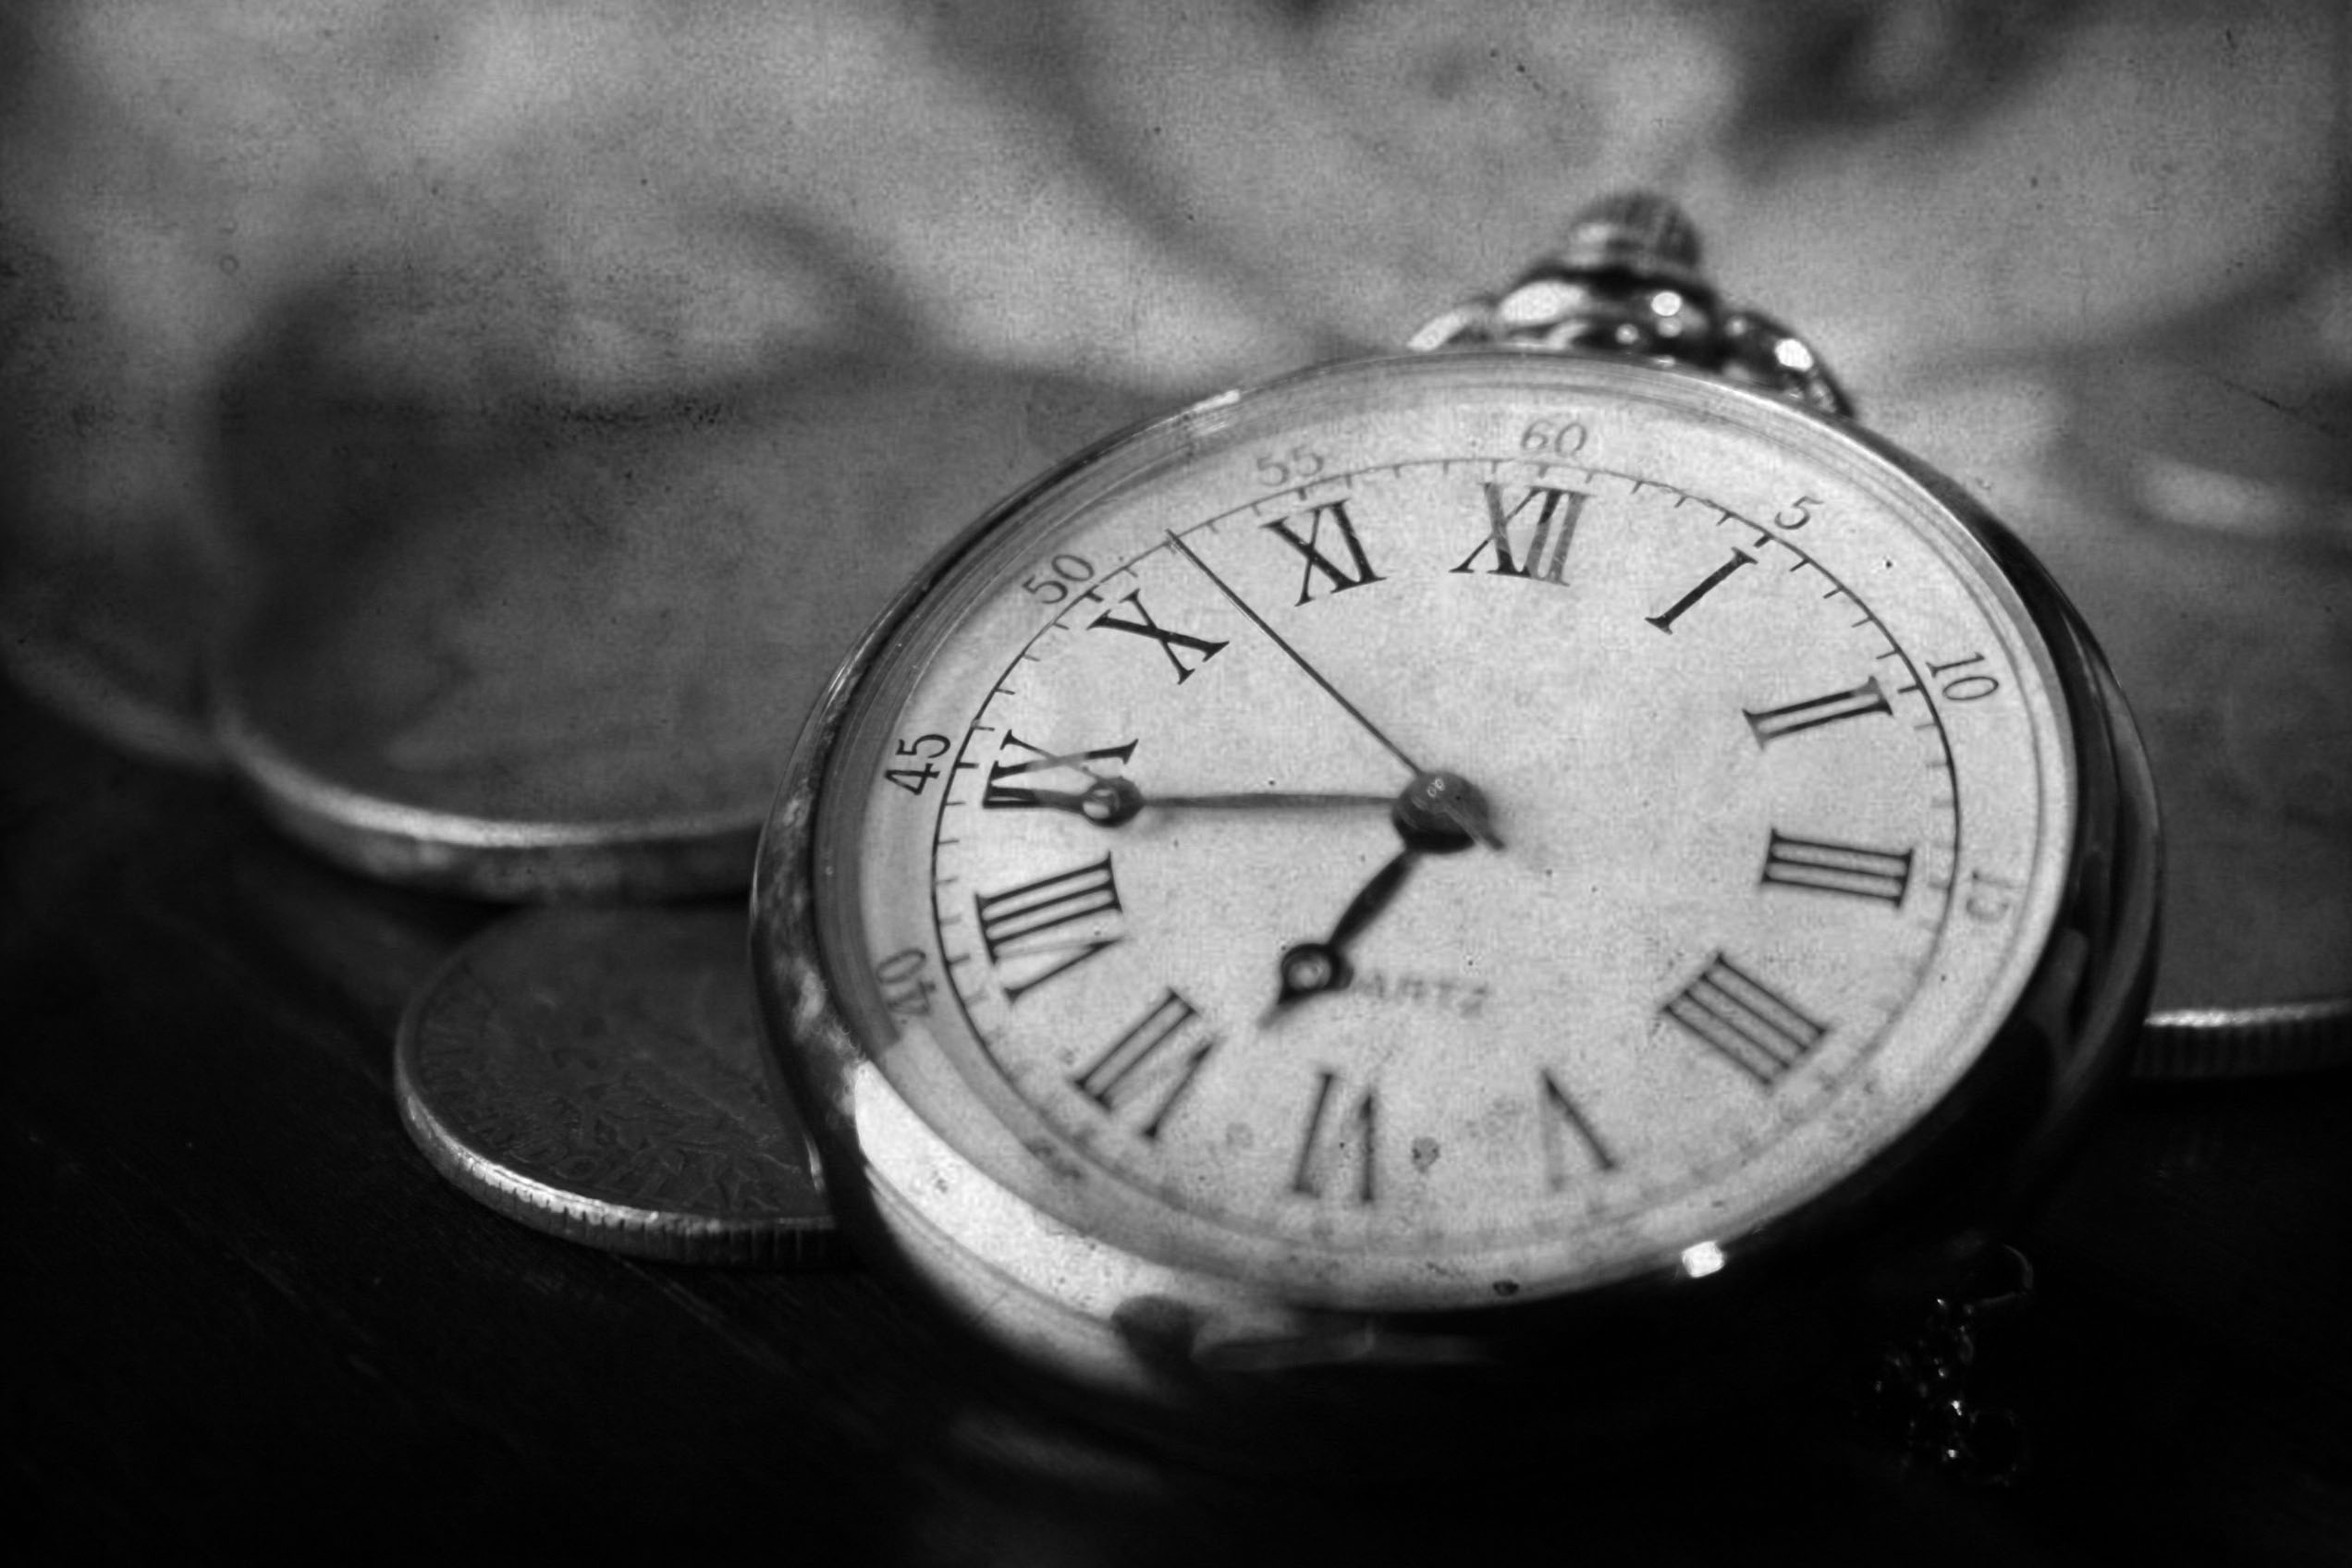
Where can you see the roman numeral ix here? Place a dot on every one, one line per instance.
(1002, 795)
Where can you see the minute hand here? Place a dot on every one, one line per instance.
(1113, 802)
(1477, 829)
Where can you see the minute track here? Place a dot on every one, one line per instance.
(1137, 570)
(1242, 733)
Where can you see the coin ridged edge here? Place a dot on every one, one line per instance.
(600, 1223)
(525, 859)
(2273, 1040)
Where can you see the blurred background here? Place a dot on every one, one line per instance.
(222, 223)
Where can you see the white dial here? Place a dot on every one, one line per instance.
(1448, 829)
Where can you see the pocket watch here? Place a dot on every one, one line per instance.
(1547, 871)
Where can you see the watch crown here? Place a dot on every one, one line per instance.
(1635, 232)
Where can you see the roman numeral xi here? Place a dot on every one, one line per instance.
(1356, 573)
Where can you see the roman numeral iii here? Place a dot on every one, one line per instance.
(1820, 866)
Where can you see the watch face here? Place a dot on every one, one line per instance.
(1443, 829)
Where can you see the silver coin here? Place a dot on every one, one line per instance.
(576, 675)
(597, 1074)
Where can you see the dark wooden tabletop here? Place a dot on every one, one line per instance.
(247, 1315)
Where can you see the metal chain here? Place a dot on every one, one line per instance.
(1626, 280)
(1923, 1398)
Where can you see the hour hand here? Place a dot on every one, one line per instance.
(1311, 968)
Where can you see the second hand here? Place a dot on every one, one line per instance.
(1478, 831)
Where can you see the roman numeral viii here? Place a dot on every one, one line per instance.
(1744, 1020)
(1356, 574)
(1143, 625)
(1820, 866)
(1150, 1067)
(1555, 526)
(1044, 928)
